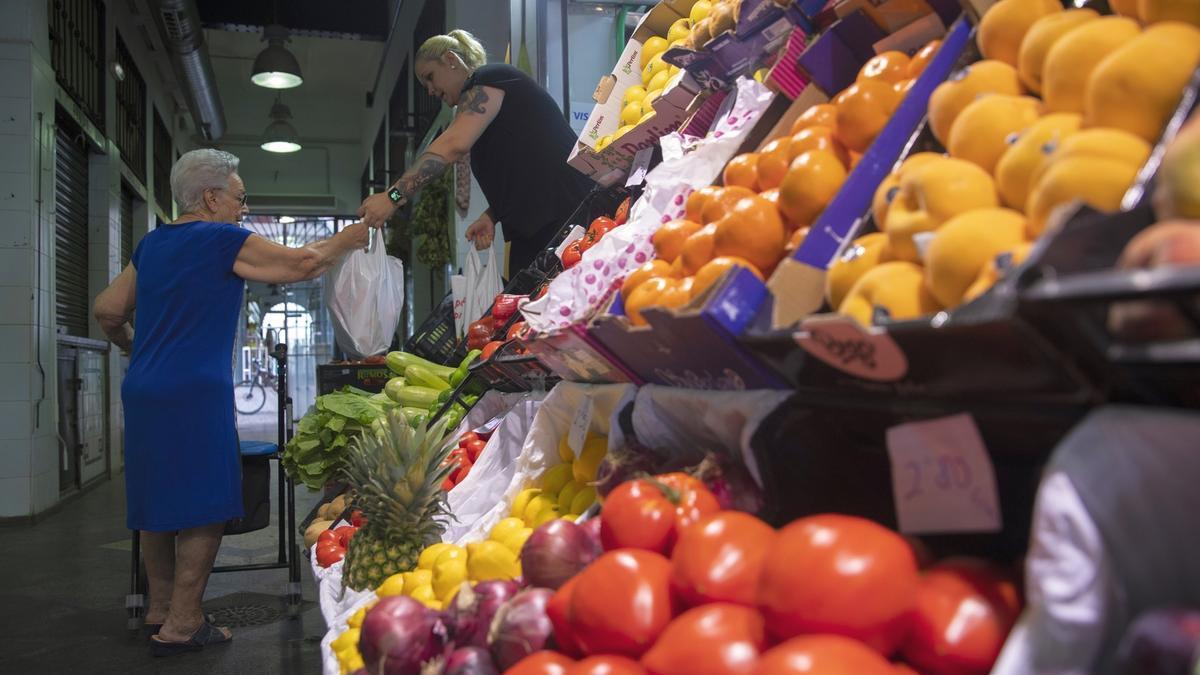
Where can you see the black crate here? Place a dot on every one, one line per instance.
(435, 340)
(368, 377)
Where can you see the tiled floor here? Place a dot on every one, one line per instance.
(64, 580)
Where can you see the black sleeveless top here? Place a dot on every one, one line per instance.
(520, 160)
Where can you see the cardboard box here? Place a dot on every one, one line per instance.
(833, 60)
(762, 29)
(677, 103)
(576, 356)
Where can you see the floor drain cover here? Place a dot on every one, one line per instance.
(240, 616)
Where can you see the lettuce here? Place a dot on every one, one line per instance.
(316, 453)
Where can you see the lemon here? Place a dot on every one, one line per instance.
(648, 106)
(603, 143)
(349, 638)
(536, 506)
(658, 82)
(522, 500)
(652, 70)
(594, 450)
(631, 112)
(424, 594)
(622, 131)
(448, 575)
(429, 555)
(634, 93)
(393, 585)
(506, 527)
(679, 31)
(449, 596)
(653, 47)
(451, 552)
(356, 619)
(545, 516)
(568, 493)
(416, 579)
(581, 502)
(699, 11)
(553, 479)
(489, 560)
(565, 453)
(515, 541)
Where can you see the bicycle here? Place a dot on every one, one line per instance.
(250, 395)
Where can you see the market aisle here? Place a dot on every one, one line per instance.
(63, 584)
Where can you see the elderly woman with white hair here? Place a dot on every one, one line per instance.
(182, 463)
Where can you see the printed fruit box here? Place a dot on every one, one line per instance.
(575, 356)
(606, 148)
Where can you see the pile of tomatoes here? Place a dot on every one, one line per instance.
(470, 446)
(684, 587)
(332, 543)
(599, 227)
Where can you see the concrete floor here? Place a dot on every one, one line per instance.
(64, 580)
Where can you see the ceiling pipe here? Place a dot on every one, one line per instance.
(179, 22)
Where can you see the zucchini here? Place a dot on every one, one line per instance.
(422, 376)
(399, 361)
(392, 388)
(413, 413)
(414, 396)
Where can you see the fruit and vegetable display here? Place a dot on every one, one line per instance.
(1064, 107)
(421, 387)
(318, 450)
(769, 199)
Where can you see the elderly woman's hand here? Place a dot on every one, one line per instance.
(376, 209)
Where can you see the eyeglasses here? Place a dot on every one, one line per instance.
(241, 200)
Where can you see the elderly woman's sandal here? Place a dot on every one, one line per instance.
(151, 629)
(207, 634)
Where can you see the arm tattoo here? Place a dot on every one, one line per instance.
(473, 101)
(428, 166)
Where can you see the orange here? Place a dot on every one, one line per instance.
(724, 200)
(677, 294)
(677, 269)
(753, 230)
(963, 87)
(822, 114)
(773, 162)
(1004, 26)
(1075, 55)
(1154, 11)
(1124, 7)
(903, 86)
(889, 67)
(795, 240)
(811, 183)
(855, 158)
(697, 200)
(698, 249)
(1041, 37)
(863, 109)
(817, 138)
(652, 269)
(668, 240)
(715, 269)
(645, 295)
(742, 170)
(920, 60)
(981, 132)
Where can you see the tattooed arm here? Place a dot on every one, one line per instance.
(476, 110)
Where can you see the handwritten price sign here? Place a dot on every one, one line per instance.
(942, 478)
(842, 343)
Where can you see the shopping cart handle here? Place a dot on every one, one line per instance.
(1164, 283)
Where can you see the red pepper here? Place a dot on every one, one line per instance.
(478, 334)
(504, 307)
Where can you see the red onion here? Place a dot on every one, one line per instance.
(521, 627)
(398, 635)
(625, 463)
(473, 609)
(591, 527)
(469, 661)
(556, 551)
(730, 482)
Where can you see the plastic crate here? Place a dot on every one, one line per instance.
(435, 340)
(369, 377)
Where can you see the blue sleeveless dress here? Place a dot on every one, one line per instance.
(182, 463)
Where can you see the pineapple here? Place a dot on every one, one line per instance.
(396, 474)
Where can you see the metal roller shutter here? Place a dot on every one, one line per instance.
(71, 229)
(126, 226)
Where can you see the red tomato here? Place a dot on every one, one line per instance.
(541, 663)
(356, 518)
(622, 603)
(596, 231)
(462, 466)
(839, 574)
(719, 558)
(515, 331)
(329, 537)
(475, 448)
(558, 611)
(901, 669)
(606, 665)
(489, 349)
(572, 255)
(649, 513)
(467, 437)
(965, 610)
(328, 554)
(718, 638)
(478, 333)
(823, 655)
(622, 214)
(345, 534)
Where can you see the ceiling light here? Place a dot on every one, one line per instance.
(286, 220)
(276, 67)
(280, 135)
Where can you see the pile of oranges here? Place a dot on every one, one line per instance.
(770, 198)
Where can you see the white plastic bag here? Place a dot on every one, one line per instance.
(476, 288)
(365, 295)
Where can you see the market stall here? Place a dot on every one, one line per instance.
(802, 381)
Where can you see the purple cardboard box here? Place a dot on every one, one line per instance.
(575, 356)
(835, 57)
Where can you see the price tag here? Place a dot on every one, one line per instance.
(942, 478)
(842, 343)
(580, 425)
(641, 164)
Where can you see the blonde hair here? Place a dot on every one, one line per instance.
(458, 41)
